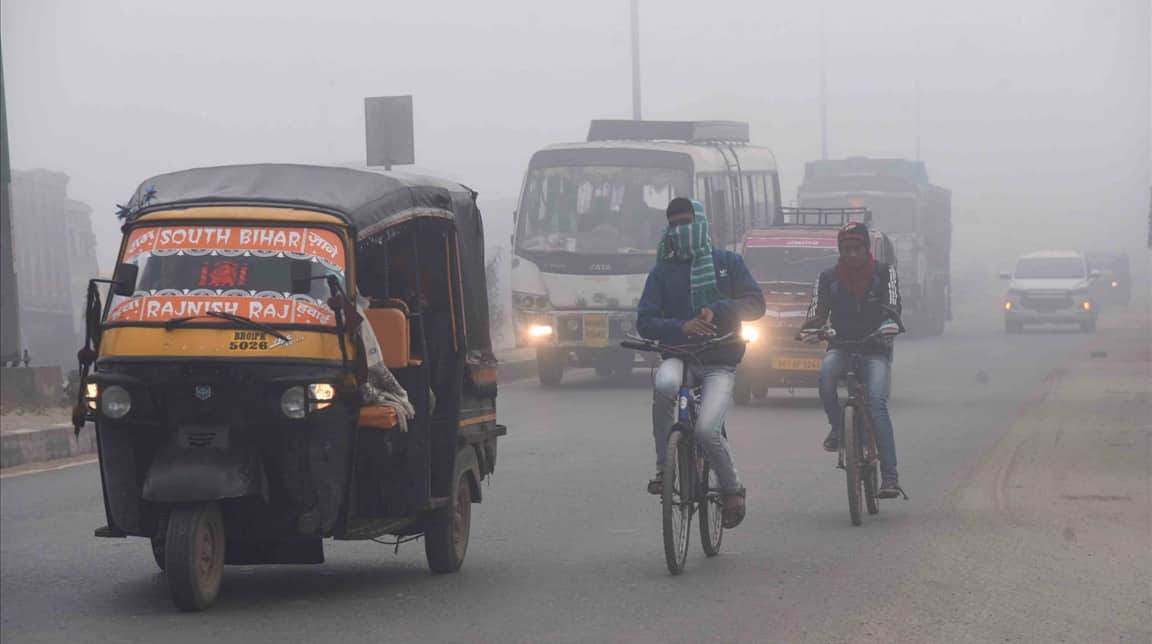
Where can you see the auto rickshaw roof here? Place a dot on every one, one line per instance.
(365, 197)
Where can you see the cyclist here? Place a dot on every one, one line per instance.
(860, 297)
(695, 293)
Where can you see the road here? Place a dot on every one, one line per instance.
(566, 546)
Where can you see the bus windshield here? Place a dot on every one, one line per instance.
(190, 270)
(597, 209)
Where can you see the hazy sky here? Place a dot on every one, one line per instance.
(1032, 112)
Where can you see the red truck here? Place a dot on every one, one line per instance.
(786, 258)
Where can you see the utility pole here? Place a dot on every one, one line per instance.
(9, 298)
(917, 117)
(636, 60)
(823, 93)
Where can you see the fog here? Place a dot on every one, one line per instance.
(1037, 115)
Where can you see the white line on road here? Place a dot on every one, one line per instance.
(52, 468)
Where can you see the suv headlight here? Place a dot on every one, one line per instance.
(115, 402)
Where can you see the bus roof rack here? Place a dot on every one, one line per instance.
(830, 217)
(690, 131)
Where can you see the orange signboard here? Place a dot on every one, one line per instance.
(314, 242)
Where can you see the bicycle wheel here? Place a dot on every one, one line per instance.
(676, 499)
(850, 443)
(711, 511)
(871, 471)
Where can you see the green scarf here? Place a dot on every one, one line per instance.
(690, 243)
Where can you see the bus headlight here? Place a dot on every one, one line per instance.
(91, 393)
(540, 331)
(115, 402)
(294, 402)
(750, 334)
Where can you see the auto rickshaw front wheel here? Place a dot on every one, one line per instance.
(446, 539)
(194, 555)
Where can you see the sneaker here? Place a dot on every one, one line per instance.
(889, 487)
(734, 509)
(832, 441)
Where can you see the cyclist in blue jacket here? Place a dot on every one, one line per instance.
(693, 294)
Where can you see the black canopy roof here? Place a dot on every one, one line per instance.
(370, 200)
(364, 197)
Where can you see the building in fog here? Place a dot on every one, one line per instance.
(54, 255)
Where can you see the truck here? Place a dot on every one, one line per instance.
(591, 215)
(914, 213)
(786, 259)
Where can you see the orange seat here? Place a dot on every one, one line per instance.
(378, 417)
(392, 332)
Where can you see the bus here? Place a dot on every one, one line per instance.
(590, 217)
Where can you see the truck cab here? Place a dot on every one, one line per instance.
(786, 259)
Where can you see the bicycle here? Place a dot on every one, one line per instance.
(690, 485)
(861, 463)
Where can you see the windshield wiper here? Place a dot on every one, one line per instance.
(249, 322)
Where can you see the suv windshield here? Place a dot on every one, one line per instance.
(781, 263)
(189, 270)
(1050, 268)
(597, 209)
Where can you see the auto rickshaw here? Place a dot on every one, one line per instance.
(224, 373)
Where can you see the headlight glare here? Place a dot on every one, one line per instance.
(91, 393)
(540, 331)
(115, 402)
(750, 334)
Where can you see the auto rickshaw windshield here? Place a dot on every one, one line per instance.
(189, 270)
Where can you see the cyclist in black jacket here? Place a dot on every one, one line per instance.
(858, 298)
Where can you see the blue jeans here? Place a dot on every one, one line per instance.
(716, 383)
(877, 377)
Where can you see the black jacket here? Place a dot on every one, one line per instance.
(667, 304)
(855, 319)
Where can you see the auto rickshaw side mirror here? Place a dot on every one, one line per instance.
(301, 277)
(1005, 275)
(1095, 274)
(124, 279)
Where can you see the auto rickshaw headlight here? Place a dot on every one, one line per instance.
(321, 395)
(540, 331)
(115, 402)
(294, 402)
(91, 393)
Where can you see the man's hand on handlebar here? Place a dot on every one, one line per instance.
(701, 325)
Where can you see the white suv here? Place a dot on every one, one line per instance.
(1050, 287)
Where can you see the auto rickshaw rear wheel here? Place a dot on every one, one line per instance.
(158, 551)
(446, 539)
(194, 555)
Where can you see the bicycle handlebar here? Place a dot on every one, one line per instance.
(641, 344)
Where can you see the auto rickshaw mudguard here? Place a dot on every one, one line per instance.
(189, 475)
(466, 461)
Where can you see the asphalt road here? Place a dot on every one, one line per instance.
(566, 546)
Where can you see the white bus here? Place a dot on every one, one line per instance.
(591, 215)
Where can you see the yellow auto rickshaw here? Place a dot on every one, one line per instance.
(225, 374)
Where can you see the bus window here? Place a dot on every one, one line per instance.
(718, 208)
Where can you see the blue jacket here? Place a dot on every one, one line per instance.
(667, 304)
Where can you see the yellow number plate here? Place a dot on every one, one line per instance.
(797, 364)
(596, 330)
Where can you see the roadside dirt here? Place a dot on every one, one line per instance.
(1050, 539)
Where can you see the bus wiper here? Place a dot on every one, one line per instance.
(249, 322)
